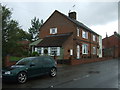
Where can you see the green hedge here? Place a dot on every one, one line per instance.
(13, 58)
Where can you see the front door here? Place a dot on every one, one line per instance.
(78, 51)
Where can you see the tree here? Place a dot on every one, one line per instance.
(34, 29)
(11, 33)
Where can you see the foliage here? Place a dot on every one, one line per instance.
(34, 29)
(11, 34)
(35, 54)
(13, 58)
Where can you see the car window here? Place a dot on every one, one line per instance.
(34, 61)
(47, 60)
(24, 61)
(38, 61)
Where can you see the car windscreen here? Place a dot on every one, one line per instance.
(24, 61)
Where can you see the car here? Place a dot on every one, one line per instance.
(30, 67)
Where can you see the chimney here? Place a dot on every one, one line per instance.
(72, 15)
(115, 33)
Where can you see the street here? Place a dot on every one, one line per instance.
(93, 75)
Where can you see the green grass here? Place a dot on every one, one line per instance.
(12, 58)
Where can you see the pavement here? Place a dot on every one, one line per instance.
(102, 74)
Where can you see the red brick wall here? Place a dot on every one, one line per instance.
(83, 61)
(67, 46)
(89, 41)
(8, 62)
(112, 42)
(56, 20)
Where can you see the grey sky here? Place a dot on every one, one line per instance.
(96, 15)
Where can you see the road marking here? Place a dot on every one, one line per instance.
(81, 77)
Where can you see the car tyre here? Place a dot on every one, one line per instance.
(22, 77)
(53, 72)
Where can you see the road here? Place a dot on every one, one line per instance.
(93, 75)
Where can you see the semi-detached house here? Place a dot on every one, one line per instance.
(67, 38)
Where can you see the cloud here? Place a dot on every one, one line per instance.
(108, 28)
(89, 13)
(98, 13)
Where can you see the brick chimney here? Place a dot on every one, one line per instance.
(72, 15)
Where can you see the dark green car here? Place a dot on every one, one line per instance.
(30, 67)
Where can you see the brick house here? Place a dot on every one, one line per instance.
(111, 45)
(67, 38)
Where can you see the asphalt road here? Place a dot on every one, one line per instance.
(93, 75)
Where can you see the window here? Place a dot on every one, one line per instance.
(55, 51)
(39, 50)
(94, 37)
(78, 31)
(85, 34)
(53, 30)
(85, 49)
(94, 50)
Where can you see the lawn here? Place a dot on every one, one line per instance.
(13, 58)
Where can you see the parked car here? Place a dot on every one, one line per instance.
(30, 67)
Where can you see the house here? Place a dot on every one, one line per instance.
(32, 46)
(66, 38)
(111, 45)
(24, 47)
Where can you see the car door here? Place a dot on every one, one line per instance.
(47, 64)
(34, 68)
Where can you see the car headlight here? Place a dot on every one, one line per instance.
(8, 72)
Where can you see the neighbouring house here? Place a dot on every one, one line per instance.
(24, 47)
(66, 38)
(111, 45)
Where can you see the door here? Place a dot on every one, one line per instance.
(35, 68)
(78, 51)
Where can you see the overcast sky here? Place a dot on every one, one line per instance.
(101, 17)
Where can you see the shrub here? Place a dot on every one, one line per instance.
(35, 54)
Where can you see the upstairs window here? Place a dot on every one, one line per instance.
(85, 34)
(94, 38)
(53, 30)
(78, 31)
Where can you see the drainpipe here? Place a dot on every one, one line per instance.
(90, 45)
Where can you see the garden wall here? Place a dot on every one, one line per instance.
(83, 61)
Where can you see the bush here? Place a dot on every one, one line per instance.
(14, 58)
(35, 54)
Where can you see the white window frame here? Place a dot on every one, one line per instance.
(51, 30)
(84, 34)
(42, 51)
(56, 49)
(84, 48)
(71, 52)
(78, 31)
(94, 38)
(78, 51)
(94, 50)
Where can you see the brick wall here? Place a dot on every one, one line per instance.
(57, 20)
(111, 46)
(8, 62)
(83, 61)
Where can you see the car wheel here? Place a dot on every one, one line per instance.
(22, 77)
(53, 72)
